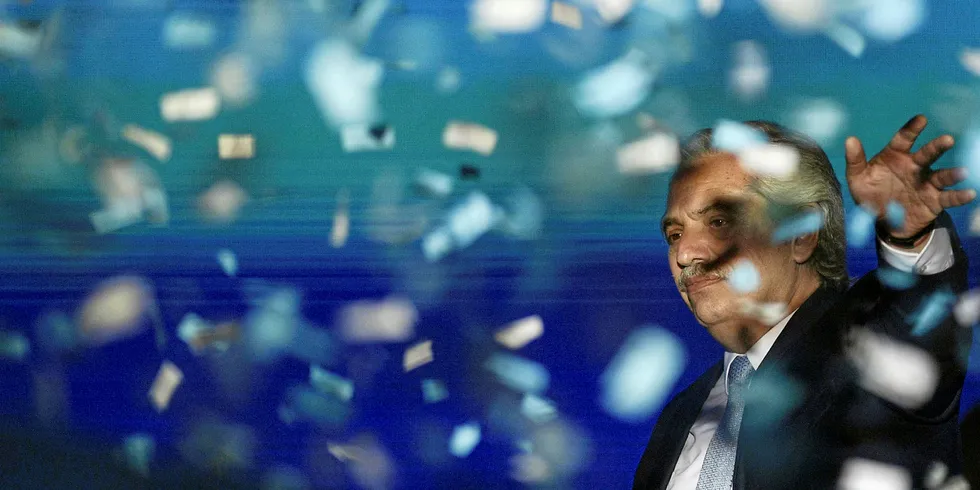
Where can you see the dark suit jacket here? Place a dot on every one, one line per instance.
(805, 413)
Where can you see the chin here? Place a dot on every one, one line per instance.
(711, 311)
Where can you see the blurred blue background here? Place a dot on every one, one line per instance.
(596, 271)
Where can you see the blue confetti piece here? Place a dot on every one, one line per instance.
(639, 378)
(464, 439)
(518, 373)
(744, 277)
(772, 396)
(895, 215)
(434, 391)
(733, 136)
(896, 279)
(799, 225)
(933, 311)
(860, 227)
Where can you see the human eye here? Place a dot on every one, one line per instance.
(719, 222)
(672, 236)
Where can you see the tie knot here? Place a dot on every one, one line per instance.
(739, 371)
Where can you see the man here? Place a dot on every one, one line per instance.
(794, 403)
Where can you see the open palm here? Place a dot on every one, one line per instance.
(898, 174)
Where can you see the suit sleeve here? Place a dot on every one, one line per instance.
(921, 316)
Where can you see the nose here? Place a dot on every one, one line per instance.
(693, 246)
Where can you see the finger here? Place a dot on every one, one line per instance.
(854, 154)
(950, 199)
(905, 137)
(947, 177)
(928, 154)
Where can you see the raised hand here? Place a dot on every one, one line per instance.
(898, 174)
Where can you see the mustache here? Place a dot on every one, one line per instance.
(720, 268)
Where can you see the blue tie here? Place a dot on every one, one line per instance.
(719, 461)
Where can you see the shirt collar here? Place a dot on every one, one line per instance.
(758, 352)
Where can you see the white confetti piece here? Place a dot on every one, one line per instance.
(710, 8)
(448, 80)
(967, 309)
(169, 377)
(115, 218)
(767, 313)
(471, 219)
(14, 346)
(970, 158)
(866, 474)
(745, 277)
(656, 153)
(236, 146)
(222, 201)
(367, 137)
(521, 332)
(616, 88)
(185, 31)
(435, 184)
(798, 15)
(437, 244)
(970, 60)
(821, 119)
(434, 391)
(936, 475)
(417, 355)
(860, 226)
(469, 136)
(958, 482)
(734, 136)
(389, 320)
(613, 11)
(464, 439)
(153, 142)
(343, 83)
(898, 372)
(115, 309)
(798, 225)
(508, 16)
(975, 221)
(770, 160)
(749, 77)
(190, 105)
(518, 373)
(228, 261)
(331, 384)
(641, 375)
(530, 469)
(847, 37)
(17, 41)
(233, 76)
(566, 14)
(537, 409)
(341, 220)
(892, 20)
(274, 323)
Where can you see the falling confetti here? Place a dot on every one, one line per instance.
(799, 225)
(153, 142)
(770, 160)
(390, 320)
(236, 146)
(933, 310)
(566, 14)
(744, 278)
(222, 201)
(228, 261)
(656, 153)
(434, 391)
(115, 309)
(469, 136)
(471, 218)
(798, 15)
(343, 83)
(190, 105)
(616, 88)
(331, 384)
(967, 309)
(970, 60)
(865, 474)
(767, 313)
(893, 20)
(464, 439)
(749, 77)
(341, 220)
(822, 119)
(861, 226)
(537, 409)
(936, 475)
(895, 215)
(17, 41)
(437, 244)
(233, 76)
(520, 333)
(734, 137)
(710, 8)
(435, 184)
(139, 450)
(417, 355)
(518, 373)
(613, 11)
(508, 16)
(848, 38)
(183, 31)
(365, 137)
(637, 381)
(898, 372)
(896, 279)
(14, 346)
(169, 377)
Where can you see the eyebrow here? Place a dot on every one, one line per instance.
(725, 205)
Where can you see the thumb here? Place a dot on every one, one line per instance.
(854, 153)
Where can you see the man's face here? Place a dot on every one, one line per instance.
(713, 220)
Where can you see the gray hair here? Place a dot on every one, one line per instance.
(814, 184)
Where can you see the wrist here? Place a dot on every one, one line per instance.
(911, 242)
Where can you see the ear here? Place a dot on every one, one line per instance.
(802, 247)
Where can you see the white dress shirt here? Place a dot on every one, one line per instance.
(935, 257)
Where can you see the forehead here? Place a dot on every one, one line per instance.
(712, 175)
